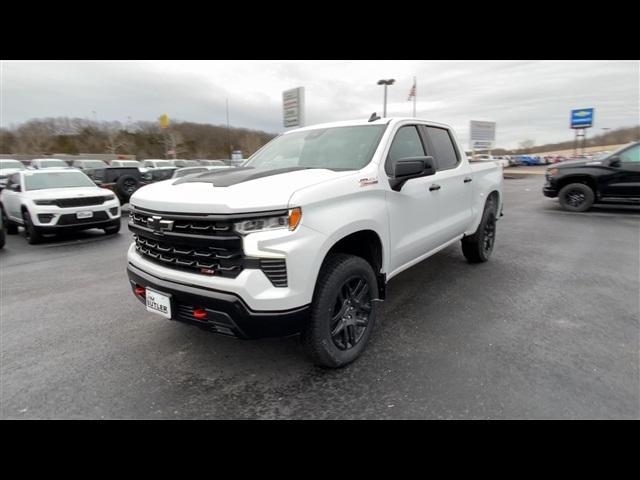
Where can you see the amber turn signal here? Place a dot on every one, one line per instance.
(295, 215)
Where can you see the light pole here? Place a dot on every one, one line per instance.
(386, 83)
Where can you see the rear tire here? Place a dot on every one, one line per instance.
(113, 229)
(31, 231)
(342, 312)
(125, 186)
(576, 197)
(477, 248)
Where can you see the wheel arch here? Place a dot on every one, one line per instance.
(577, 178)
(366, 244)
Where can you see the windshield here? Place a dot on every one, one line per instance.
(93, 163)
(162, 163)
(40, 181)
(337, 148)
(188, 171)
(11, 164)
(52, 163)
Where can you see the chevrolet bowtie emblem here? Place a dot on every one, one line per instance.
(158, 225)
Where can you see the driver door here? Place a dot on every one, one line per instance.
(411, 211)
(11, 198)
(625, 179)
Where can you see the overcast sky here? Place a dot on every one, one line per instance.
(527, 99)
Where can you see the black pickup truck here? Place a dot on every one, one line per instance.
(122, 180)
(614, 178)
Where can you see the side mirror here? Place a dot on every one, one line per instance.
(412, 167)
(15, 187)
(614, 161)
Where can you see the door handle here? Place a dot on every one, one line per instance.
(467, 179)
(433, 187)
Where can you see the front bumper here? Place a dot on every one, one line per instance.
(59, 218)
(227, 313)
(549, 190)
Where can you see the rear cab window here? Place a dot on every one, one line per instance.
(442, 147)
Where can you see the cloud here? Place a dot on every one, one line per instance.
(527, 99)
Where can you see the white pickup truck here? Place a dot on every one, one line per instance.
(304, 237)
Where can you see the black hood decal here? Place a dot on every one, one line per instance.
(232, 176)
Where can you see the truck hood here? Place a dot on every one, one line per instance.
(58, 193)
(231, 191)
(578, 163)
(5, 172)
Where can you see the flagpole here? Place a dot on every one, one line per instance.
(414, 96)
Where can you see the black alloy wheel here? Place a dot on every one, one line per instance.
(350, 316)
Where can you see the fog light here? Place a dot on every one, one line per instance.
(45, 217)
(200, 314)
(114, 210)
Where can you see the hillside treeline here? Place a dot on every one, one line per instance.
(613, 137)
(143, 139)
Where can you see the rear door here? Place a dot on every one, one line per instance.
(450, 190)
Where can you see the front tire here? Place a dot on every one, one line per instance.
(477, 248)
(12, 228)
(31, 231)
(342, 312)
(576, 197)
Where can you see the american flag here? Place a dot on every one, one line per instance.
(412, 92)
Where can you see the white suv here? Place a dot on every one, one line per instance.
(52, 200)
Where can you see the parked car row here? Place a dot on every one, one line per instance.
(123, 177)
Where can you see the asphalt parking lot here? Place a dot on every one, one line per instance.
(549, 328)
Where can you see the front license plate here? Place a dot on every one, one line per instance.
(84, 214)
(158, 303)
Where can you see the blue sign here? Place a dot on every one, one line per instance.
(582, 118)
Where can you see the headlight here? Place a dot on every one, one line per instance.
(290, 221)
(108, 198)
(44, 202)
(552, 172)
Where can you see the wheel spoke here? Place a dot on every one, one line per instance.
(352, 334)
(362, 322)
(361, 290)
(338, 328)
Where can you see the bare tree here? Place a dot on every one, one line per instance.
(527, 144)
(115, 137)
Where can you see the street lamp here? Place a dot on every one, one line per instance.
(386, 83)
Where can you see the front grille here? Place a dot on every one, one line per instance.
(190, 226)
(275, 270)
(72, 219)
(211, 261)
(81, 201)
(198, 245)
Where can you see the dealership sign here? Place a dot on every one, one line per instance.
(293, 107)
(582, 118)
(482, 135)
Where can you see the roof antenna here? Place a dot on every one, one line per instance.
(374, 117)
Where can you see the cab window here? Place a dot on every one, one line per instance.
(631, 155)
(444, 151)
(406, 143)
